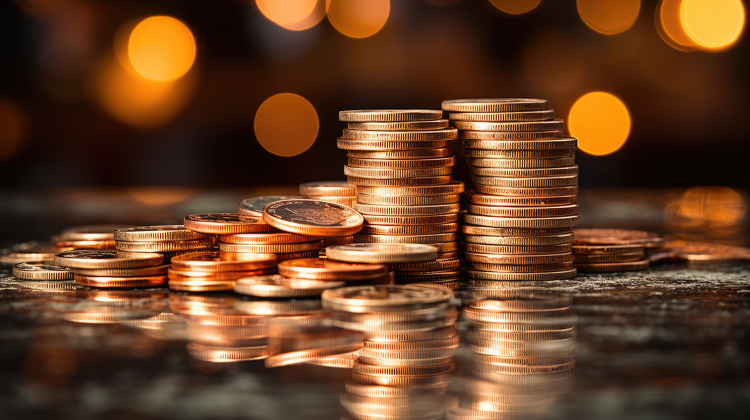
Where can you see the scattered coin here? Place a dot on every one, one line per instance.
(253, 206)
(312, 217)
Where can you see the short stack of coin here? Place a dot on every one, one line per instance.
(44, 277)
(401, 164)
(216, 271)
(519, 217)
(593, 252)
(654, 246)
(109, 268)
(340, 192)
(404, 369)
(168, 240)
(87, 237)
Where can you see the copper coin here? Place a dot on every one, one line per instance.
(535, 276)
(528, 192)
(222, 261)
(106, 258)
(305, 356)
(41, 271)
(407, 239)
(540, 115)
(502, 200)
(546, 182)
(509, 268)
(506, 211)
(149, 281)
(157, 270)
(312, 217)
(162, 233)
(612, 267)
(411, 220)
(490, 140)
(323, 269)
(552, 171)
(406, 135)
(531, 240)
(402, 163)
(547, 125)
(28, 252)
(400, 182)
(522, 222)
(410, 229)
(382, 210)
(91, 233)
(344, 201)
(219, 275)
(518, 259)
(501, 231)
(375, 145)
(399, 125)
(63, 244)
(298, 255)
(525, 155)
(494, 105)
(382, 253)
(385, 296)
(328, 189)
(516, 249)
(201, 284)
(618, 236)
(452, 187)
(407, 200)
(225, 223)
(606, 249)
(267, 238)
(387, 174)
(341, 240)
(166, 246)
(518, 168)
(703, 252)
(253, 206)
(399, 154)
(609, 258)
(437, 265)
(271, 249)
(390, 115)
(280, 286)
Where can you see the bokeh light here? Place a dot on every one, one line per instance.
(360, 18)
(609, 17)
(515, 7)
(713, 24)
(669, 26)
(708, 212)
(286, 124)
(12, 128)
(160, 196)
(295, 15)
(161, 48)
(553, 47)
(601, 123)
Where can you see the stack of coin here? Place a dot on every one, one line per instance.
(216, 271)
(340, 192)
(401, 164)
(168, 240)
(610, 250)
(404, 369)
(109, 268)
(522, 348)
(44, 277)
(519, 217)
(87, 237)
(654, 244)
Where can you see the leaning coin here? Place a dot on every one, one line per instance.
(224, 223)
(313, 217)
(106, 258)
(325, 269)
(390, 115)
(253, 206)
(279, 286)
(382, 253)
(41, 271)
(160, 233)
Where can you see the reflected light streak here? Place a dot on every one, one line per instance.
(286, 124)
(161, 48)
(609, 17)
(600, 121)
(713, 24)
(360, 18)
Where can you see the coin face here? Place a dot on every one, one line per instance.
(41, 271)
(313, 217)
(382, 253)
(386, 295)
(254, 206)
(106, 258)
(325, 269)
(328, 189)
(223, 223)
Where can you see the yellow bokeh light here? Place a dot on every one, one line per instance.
(161, 48)
(713, 24)
(286, 124)
(12, 128)
(609, 17)
(601, 123)
(669, 26)
(515, 7)
(358, 18)
(708, 208)
(295, 15)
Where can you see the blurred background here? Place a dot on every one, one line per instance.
(150, 102)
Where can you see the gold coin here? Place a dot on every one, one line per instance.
(400, 182)
(271, 249)
(279, 286)
(161, 233)
(518, 259)
(536, 276)
(374, 145)
(219, 276)
(522, 222)
(390, 115)
(563, 238)
(224, 223)
(525, 172)
(382, 210)
(411, 135)
(165, 246)
(522, 168)
(411, 229)
(396, 173)
(609, 258)
(470, 140)
(407, 239)
(411, 220)
(211, 262)
(149, 281)
(106, 258)
(201, 284)
(541, 115)
(382, 253)
(501, 200)
(399, 125)
(453, 187)
(312, 217)
(495, 231)
(532, 155)
(494, 105)
(437, 265)
(612, 267)
(91, 233)
(548, 125)
(344, 201)
(253, 206)
(400, 154)
(547, 182)
(41, 271)
(267, 238)
(328, 189)
(510, 268)
(407, 200)
(320, 269)
(157, 270)
(606, 249)
(516, 249)
(402, 163)
(528, 192)
(505, 211)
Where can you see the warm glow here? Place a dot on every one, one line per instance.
(515, 7)
(12, 128)
(669, 26)
(159, 196)
(713, 24)
(600, 121)
(295, 15)
(286, 124)
(609, 17)
(707, 207)
(161, 48)
(358, 18)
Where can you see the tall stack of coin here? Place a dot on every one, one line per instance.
(168, 240)
(340, 192)
(519, 217)
(404, 369)
(109, 268)
(401, 164)
(522, 349)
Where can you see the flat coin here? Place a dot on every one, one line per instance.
(162, 233)
(528, 192)
(396, 173)
(297, 255)
(312, 217)
(538, 276)
(400, 154)
(510, 268)
(165, 246)
(470, 140)
(408, 200)
(612, 267)
(522, 222)
(548, 125)
(390, 115)
(516, 249)
(453, 187)
(399, 126)
(225, 223)
(253, 206)
(407, 239)
(343, 240)
(400, 182)
(328, 189)
(386, 296)
(506, 211)
(271, 249)
(606, 249)
(305, 356)
(267, 238)
(409, 135)
(618, 236)
(609, 258)
(495, 231)
(382, 253)
(41, 271)
(344, 201)
(324, 269)
(211, 262)
(540, 115)
(219, 276)
(375, 145)
(157, 270)
(116, 282)
(410, 229)
(494, 104)
(402, 163)
(198, 284)
(518, 259)
(531, 155)
(411, 220)
(437, 265)
(91, 233)
(562, 238)
(106, 258)
(546, 182)
(513, 167)
(502, 200)
(382, 210)
(526, 172)
(280, 286)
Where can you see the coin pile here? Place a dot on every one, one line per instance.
(168, 240)
(401, 164)
(519, 217)
(522, 348)
(404, 369)
(609, 250)
(340, 192)
(109, 268)
(216, 271)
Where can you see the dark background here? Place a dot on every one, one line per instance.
(689, 110)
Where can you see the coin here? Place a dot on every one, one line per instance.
(526, 172)
(157, 270)
(343, 360)
(522, 168)
(494, 104)
(540, 115)
(618, 236)
(506, 211)
(106, 258)
(382, 253)
(437, 265)
(411, 220)
(323, 269)
(342, 240)
(518, 259)
(606, 249)
(533, 240)
(297, 255)
(220, 276)
(524, 155)
(382, 210)
(402, 163)
(27, 252)
(385, 296)
(399, 126)
(312, 217)
(328, 188)
(516, 249)
(390, 115)
(221, 261)
(400, 182)
(165, 246)
(510, 268)
(91, 233)
(378, 391)
(408, 135)
(410, 229)
(161, 233)
(490, 140)
(703, 252)
(305, 356)
(535, 276)
(271, 249)
(501, 231)
(223, 354)
(225, 223)
(280, 286)
(57, 242)
(528, 192)
(400, 154)
(253, 206)
(148, 281)
(522, 222)
(376, 145)
(546, 182)
(407, 200)
(609, 258)
(407, 239)
(41, 271)
(499, 200)
(201, 284)
(548, 125)
(453, 187)
(612, 267)
(388, 174)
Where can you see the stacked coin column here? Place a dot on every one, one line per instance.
(401, 164)
(519, 217)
